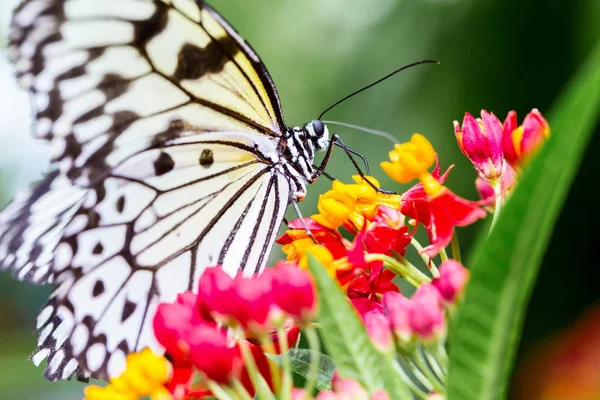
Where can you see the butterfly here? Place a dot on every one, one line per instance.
(170, 154)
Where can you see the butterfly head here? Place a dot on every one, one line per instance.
(318, 134)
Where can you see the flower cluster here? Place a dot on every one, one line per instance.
(499, 150)
(232, 337)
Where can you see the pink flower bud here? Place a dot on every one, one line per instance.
(379, 330)
(520, 142)
(293, 291)
(397, 308)
(300, 394)
(328, 395)
(347, 388)
(212, 354)
(380, 395)
(174, 322)
(452, 280)
(426, 317)
(481, 142)
(244, 300)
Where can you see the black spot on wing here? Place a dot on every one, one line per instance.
(98, 288)
(128, 309)
(163, 164)
(98, 249)
(193, 62)
(121, 204)
(206, 158)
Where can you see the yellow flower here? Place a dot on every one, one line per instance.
(410, 160)
(145, 375)
(352, 203)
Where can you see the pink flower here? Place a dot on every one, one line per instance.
(481, 142)
(246, 301)
(520, 142)
(397, 308)
(380, 395)
(379, 330)
(293, 291)
(347, 388)
(426, 317)
(173, 324)
(452, 280)
(214, 355)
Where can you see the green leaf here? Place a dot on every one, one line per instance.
(505, 266)
(346, 339)
(300, 364)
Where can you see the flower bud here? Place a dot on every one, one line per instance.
(519, 143)
(293, 291)
(426, 317)
(452, 280)
(397, 308)
(481, 143)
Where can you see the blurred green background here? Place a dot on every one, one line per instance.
(495, 54)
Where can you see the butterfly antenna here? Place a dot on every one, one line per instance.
(376, 82)
(376, 132)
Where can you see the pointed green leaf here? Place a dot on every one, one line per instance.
(346, 339)
(300, 364)
(504, 267)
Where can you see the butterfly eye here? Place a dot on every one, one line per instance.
(318, 128)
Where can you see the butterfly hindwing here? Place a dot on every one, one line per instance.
(32, 226)
(112, 77)
(146, 233)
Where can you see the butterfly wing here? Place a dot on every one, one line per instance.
(110, 78)
(166, 125)
(142, 236)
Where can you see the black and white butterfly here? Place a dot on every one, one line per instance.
(171, 154)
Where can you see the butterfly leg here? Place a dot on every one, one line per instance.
(337, 141)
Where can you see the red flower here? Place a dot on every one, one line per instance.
(293, 291)
(439, 213)
(452, 280)
(387, 232)
(182, 385)
(481, 142)
(519, 142)
(214, 355)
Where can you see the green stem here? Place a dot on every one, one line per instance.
(218, 391)
(421, 378)
(443, 254)
(456, 248)
(267, 344)
(241, 390)
(498, 203)
(401, 267)
(313, 373)
(426, 259)
(416, 389)
(420, 361)
(260, 385)
(286, 386)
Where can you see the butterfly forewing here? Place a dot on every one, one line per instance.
(98, 70)
(165, 127)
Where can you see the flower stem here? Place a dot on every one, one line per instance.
(443, 254)
(498, 203)
(456, 248)
(218, 391)
(286, 386)
(420, 361)
(426, 259)
(241, 391)
(315, 346)
(267, 343)
(260, 385)
(416, 389)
